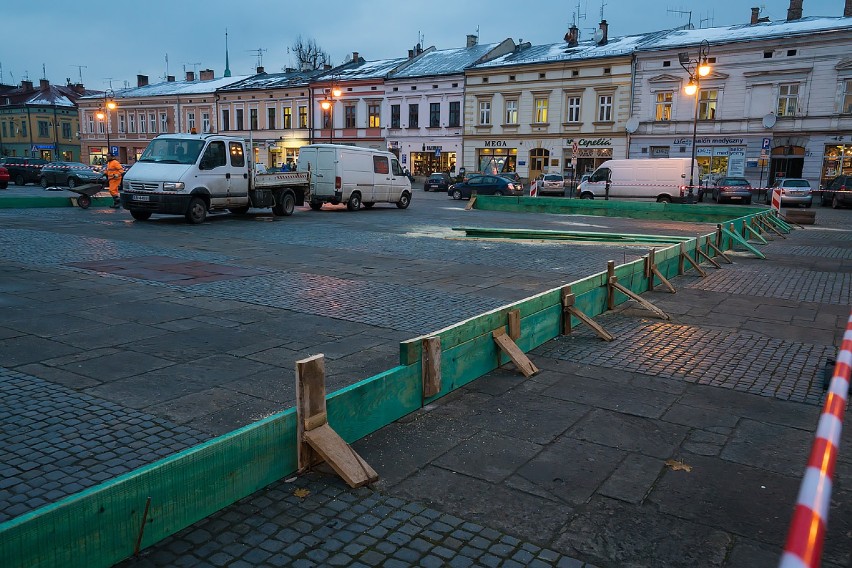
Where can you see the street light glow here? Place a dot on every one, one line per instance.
(690, 87)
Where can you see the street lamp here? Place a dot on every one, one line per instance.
(697, 68)
(103, 113)
(327, 104)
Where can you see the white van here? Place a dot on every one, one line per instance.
(663, 179)
(354, 176)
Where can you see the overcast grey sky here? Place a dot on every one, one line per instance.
(109, 43)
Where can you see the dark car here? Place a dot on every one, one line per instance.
(734, 189)
(23, 170)
(512, 177)
(838, 192)
(4, 178)
(71, 174)
(484, 185)
(438, 181)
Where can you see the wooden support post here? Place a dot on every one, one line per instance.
(651, 271)
(718, 251)
(754, 233)
(719, 237)
(738, 239)
(471, 202)
(316, 435)
(510, 348)
(686, 256)
(431, 366)
(639, 299)
(758, 221)
(569, 309)
(610, 291)
(772, 228)
(708, 258)
(515, 324)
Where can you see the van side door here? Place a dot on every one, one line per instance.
(382, 175)
(237, 175)
(598, 181)
(212, 172)
(399, 181)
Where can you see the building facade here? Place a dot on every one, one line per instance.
(777, 103)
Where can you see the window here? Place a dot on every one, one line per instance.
(164, 121)
(214, 155)
(122, 124)
(395, 120)
(190, 121)
(143, 125)
(664, 106)
(455, 113)
(326, 117)
(66, 130)
(226, 119)
(512, 112)
(287, 115)
(434, 115)
(540, 110)
(24, 128)
(303, 117)
(413, 116)
(100, 127)
(205, 122)
(270, 118)
(573, 108)
(767, 55)
(131, 123)
(42, 128)
(3, 124)
(374, 115)
(152, 122)
(381, 165)
(349, 116)
(90, 120)
(238, 159)
(707, 105)
(847, 97)
(484, 112)
(253, 119)
(788, 99)
(605, 108)
(239, 120)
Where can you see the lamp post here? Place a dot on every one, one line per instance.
(697, 68)
(103, 113)
(327, 104)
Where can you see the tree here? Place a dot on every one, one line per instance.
(309, 55)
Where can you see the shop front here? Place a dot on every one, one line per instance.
(423, 158)
(716, 156)
(837, 158)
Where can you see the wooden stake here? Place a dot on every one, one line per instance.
(686, 256)
(569, 307)
(754, 233)
(718, 251)
(637, 298)
(470, 202)
(431, 366)
(663, 279)
(651, 270)
(708, 258)
(515, 324)
(610, 293)
(518, 357)
(567, 302)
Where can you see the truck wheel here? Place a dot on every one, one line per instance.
(664, 199)
(354, 203)
(140, 215)
(316, 205)
(404, 200)
(286, 207)
(19, 180)
(586, 195)
(197, 211)
(239, 210)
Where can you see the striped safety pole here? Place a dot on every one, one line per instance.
(810, 518)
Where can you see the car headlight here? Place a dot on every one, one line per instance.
(173, 186)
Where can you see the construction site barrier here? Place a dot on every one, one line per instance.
(810, 517)
(107, 523)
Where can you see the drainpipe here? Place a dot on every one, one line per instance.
(632, 90)
(30, 128)
(310, 114)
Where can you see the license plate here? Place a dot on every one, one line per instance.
(141, 198)
(735, 197)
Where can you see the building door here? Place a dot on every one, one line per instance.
(539, 159)
(787, 162)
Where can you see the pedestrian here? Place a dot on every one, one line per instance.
(114, 173)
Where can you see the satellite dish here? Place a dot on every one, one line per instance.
(598, 35)
(632, 124)
(769, 120)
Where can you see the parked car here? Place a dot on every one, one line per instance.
(484, 185)
(794, 191)
(23, 170)
(4, 178)
(734, 189)
(838, 192)
(71, 174)
(439, 181)
(512, 177)
(551, 184)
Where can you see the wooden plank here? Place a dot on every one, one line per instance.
(470, 203)
(597, 328)
(310, 401)
(431, 366)
(738, 239)
(641, 301)
(718, 251)
(567, 301)
(610, 293)
(708, 258)
(315, 421)
(688, 257)
(514, 324)
(666, 283)
(518, 357)
(340, 456)
(754, 233)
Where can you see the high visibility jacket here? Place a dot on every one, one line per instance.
(114, 172)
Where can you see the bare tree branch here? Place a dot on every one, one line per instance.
(309, 55)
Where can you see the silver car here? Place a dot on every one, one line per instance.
(733, 189)
(794, 191)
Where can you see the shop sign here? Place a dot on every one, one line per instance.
(434, 148)
(708, 140)
(495, 144)
(393, 144)
(589, 142)
(736, 162)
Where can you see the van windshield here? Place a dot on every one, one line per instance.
(172, 151)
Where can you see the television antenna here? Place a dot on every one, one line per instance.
(603, 4)
(259, 53)
(194, 68)
(706, 19)
(679, 12)
(80, 71)
(578, 15)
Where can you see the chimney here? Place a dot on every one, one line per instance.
(472, 40)
(355, 56)
(27, 86)
(572, 36)
(418, 49)
(260, 70)
(326, 66)
(43, 84)
(170, 78)
(847, 11)
(141, 80)
(604, 28)
(190, 76)
(79, 88)
(794, 12)
(411, 54)
(206, 75)
(755, 15)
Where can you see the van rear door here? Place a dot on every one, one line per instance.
(324, 171)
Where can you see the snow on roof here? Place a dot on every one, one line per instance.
(444, 61)
(274, 80)
(175, 88)
(748, 32)
(561, 51)
(364, 70)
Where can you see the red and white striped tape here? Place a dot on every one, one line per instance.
(810, 517)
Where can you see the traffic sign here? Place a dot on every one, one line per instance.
(113, 150)
(575, 148)
(766, 144)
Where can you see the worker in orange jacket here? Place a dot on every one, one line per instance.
(114, 171)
